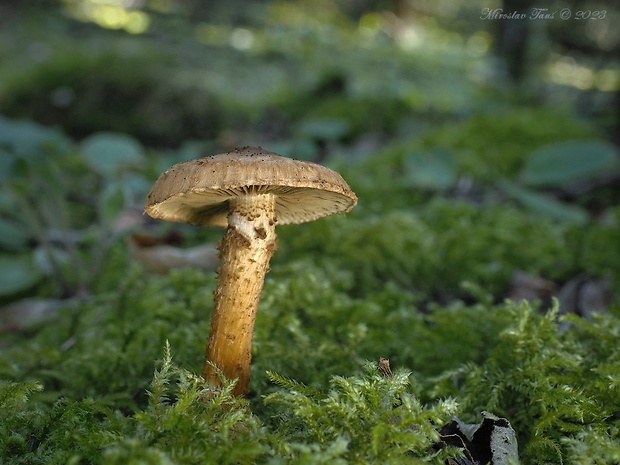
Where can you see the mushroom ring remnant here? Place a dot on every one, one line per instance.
(247, 191)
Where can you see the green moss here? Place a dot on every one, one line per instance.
(560, 396)
(591, 247)
(430, 248)
(417, 273)
(487, 145)
(555, 381)
(368, 418)
(104, 348)
(492, 145)
(364, 116)
(114, 88)
(418, 282)
(179, 425)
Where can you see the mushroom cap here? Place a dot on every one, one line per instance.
(199, 191)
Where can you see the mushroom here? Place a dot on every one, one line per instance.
(248, 191)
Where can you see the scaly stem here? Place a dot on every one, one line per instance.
(245, 251)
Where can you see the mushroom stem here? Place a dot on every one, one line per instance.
(245, 251)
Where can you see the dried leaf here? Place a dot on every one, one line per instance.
(162, 258)
(584, 294)
(525, 286)
(18, 315)
(491, 441)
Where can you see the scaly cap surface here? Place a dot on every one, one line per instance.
(198, 191)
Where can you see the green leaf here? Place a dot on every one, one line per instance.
(7, 201)
(544, 204)
(23, 172)
(112, 202)
(110, 153)
(18, 274)
(565, 162)
(434, 170)
(29, 138)
(7, 159)
(329, 129)
(48, 259)
(136, 186)
(13, 234)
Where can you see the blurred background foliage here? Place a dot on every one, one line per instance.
(167, 71)
(484, 153)
(413, 100)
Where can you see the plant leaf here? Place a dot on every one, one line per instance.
(13, 234)
(7, 159)
(28, 138)
(109, 153)
(544, 204)
(18, 273)
(571, 161)
(434, 169)
(492, 439)
(328, 129)
(111, 203)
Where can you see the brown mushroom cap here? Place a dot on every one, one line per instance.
(198, 191)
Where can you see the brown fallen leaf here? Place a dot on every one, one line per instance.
(493, 441)
(584, 295)
(163, 258)
(384, 367)
(148, 240)
(131, 218)
(20, 314)
(525, 286)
